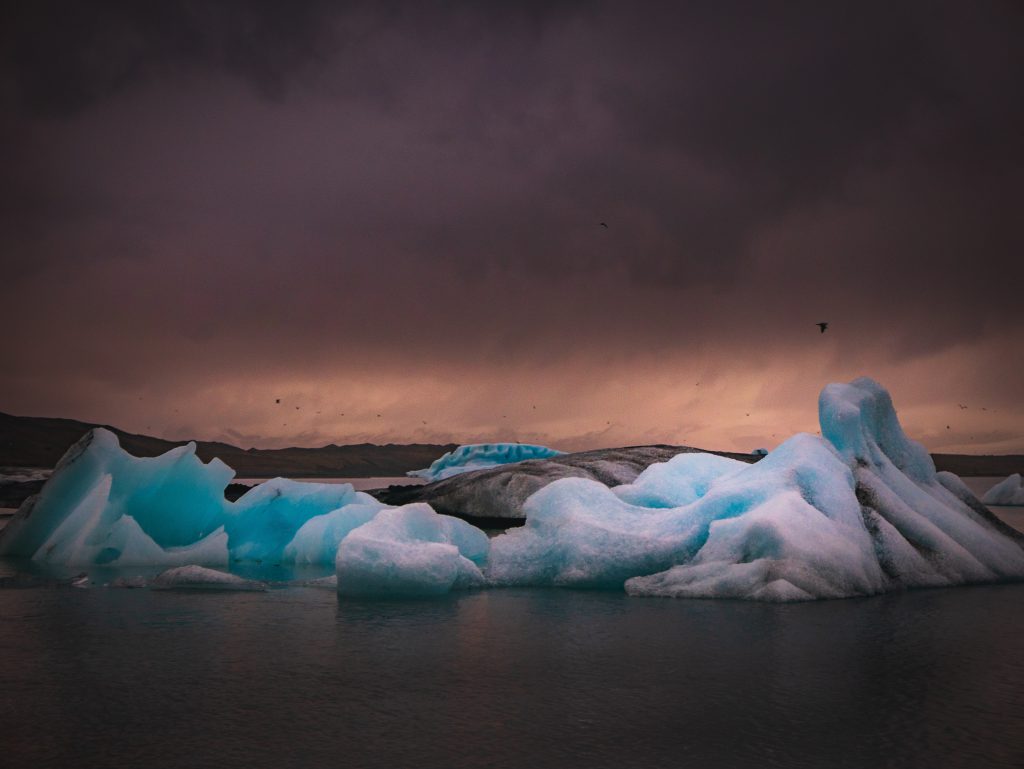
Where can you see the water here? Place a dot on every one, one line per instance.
(509, 678)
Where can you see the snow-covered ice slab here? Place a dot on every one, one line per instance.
(411, 550)
(479, 456)
(195, 577)
(1009, 491)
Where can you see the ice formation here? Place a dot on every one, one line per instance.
(478, 456)
(500, 492)
(194, 577)
(103, 506)
(857, 511)
(1009, 491)
(411, 550)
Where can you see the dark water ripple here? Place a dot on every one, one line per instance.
(292, 678)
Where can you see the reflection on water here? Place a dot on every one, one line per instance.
(510, 678)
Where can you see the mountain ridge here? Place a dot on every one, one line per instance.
(42, 441)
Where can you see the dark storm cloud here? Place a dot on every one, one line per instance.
(229, 189)
(67, 56)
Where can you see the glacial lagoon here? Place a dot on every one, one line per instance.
(510, 678)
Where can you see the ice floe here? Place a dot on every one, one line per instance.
(1009, 491)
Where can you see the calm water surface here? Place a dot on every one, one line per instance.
(509, 678)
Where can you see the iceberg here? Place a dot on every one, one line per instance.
(102, 506)
(494, 494)
(411, 551)
(858, 511)
(479, 456)
(1009, 491)
(264, 524)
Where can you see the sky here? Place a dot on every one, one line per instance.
(305, 223)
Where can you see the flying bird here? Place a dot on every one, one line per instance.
(277, 400)
(822, 326)
(604, 225)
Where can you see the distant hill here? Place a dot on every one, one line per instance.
(973, 465)
(42, 441)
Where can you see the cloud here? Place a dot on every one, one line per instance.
(206, 193)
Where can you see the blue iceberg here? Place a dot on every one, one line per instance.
(479, 456)
(103, 506)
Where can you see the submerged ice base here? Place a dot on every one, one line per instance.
(857, 511)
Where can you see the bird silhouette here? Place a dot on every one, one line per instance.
(277, 400)
(604, 225)
(822, 326)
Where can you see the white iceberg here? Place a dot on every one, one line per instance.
(1009, 491)
(856, 512)
(479, 456)
(412, 551)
